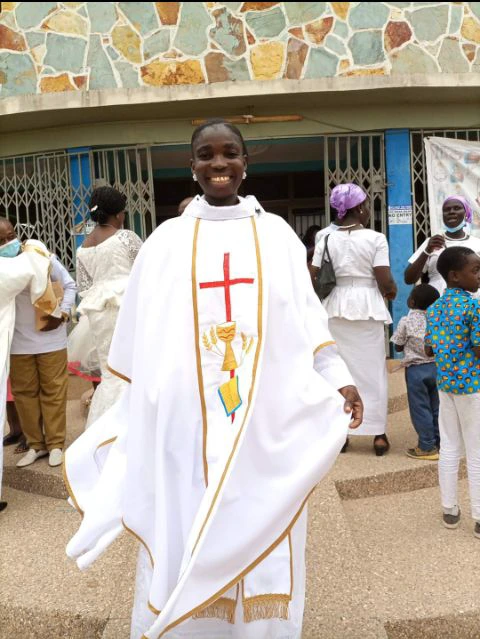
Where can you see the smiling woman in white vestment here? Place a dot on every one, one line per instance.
(356, 308)
(238, 405)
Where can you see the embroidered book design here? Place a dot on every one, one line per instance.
(225, 333)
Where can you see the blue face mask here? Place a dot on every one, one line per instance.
(452, 229)
(10, 249)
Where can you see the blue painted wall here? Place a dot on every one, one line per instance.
(399, 195)
(81, 181)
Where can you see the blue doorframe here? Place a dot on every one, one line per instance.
(80, 179)
(400, 221)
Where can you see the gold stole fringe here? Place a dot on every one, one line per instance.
(223, 609)
(265, 607)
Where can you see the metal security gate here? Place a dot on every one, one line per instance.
(46, 196)
(421, 215)
(359, 159)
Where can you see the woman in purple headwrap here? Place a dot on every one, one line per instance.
(457, 213)
(356, 306)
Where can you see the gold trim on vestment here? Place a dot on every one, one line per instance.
(223, 609)
(117, 374)
(252, 386)
(233, 582)
(69, 489)
(152, 608)
(138, 538)
(105, 443)
(324, 345)
(248, 569)
(197, 350)
(260, 607)
(290, 547)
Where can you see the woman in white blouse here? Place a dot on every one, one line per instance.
(356, 306)
(104, 262)
(457, 213)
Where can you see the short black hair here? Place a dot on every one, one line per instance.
(108, 201)
(219, 122)
(453, 258)
(5, 220)
(424, 296)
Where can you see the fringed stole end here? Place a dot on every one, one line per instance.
(223, 609)
(266, 607)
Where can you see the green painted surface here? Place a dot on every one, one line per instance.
(266, 24)
(191, 35)
(368, 15)
(34, 38)
(65, 53)
(101, 73)
(157, 43)
(142, 15)
(367, 47)
(300, 12)
(429, 23)
(102, 16)
(128, 74)
(18, 74)
(31, 14)
(321, 63)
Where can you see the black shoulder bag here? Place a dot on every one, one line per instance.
(325, 281)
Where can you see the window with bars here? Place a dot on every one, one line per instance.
(421, 218)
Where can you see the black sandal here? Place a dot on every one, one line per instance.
(380, 449)
(3, 505)
(12, 438)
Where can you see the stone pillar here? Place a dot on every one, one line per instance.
(400, 220)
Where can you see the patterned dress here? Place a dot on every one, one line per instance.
(102, 275)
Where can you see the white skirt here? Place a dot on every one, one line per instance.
(143, 618)
(361, 344)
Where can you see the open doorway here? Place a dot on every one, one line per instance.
(289, 177)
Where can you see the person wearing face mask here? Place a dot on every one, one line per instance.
(356, 308)
(38, 368)
(19, 271)
(457, 213)
(104, 262)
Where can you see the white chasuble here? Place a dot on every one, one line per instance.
(29, 269)
(224, 431)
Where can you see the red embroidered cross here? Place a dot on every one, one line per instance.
(226, 284)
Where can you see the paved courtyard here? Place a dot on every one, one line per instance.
(380, 564)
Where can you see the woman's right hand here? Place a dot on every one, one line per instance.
(435, 243)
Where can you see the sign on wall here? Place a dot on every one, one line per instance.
(453, 168)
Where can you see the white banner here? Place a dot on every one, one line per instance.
(453, 168)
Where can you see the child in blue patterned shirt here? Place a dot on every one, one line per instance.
(453, 338)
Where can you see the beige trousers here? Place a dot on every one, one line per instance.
(39, 385)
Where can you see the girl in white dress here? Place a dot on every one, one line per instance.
(457, 213)
(356, 307)
(104, 262)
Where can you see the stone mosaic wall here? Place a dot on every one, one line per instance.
(76, 46)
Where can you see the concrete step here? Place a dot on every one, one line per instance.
(423, 577)
(359, 473)
(43, 595)
(40, 478)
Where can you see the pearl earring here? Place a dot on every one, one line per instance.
(194, 177)
(244, 175)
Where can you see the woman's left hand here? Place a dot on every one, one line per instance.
(353, 404)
